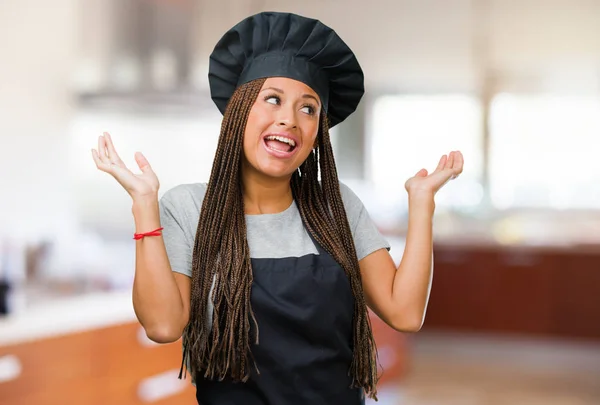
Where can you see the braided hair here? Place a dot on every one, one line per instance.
(221, 266)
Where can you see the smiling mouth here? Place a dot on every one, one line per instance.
(280, 143)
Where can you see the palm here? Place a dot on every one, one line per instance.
(449, 167)
(108, 160)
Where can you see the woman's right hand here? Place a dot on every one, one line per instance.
(139, 186)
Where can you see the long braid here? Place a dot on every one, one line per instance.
(221, 257)
(323, 213)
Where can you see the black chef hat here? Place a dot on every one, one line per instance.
(271, 44)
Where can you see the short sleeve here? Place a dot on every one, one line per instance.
(367, 237)
(179, 220)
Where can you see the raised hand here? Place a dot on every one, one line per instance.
(144, 185)
(449, 167)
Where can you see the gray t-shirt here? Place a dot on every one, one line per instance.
(269, 235)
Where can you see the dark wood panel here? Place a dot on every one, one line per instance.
(520, 299)
(520, 290)
(460, 295)
(576, 297)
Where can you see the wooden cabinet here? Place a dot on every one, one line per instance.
(576, 296)
(393, 357)
(459, 281)
(111, 366)
(521, 292)
(119, 365)
(533, 291)
(47, 370)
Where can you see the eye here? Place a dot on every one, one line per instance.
(309, 109)
(273, 99)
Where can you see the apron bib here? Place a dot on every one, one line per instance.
(304, 308)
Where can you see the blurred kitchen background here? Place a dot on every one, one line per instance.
(514, 315)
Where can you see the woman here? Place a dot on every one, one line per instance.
(267, 271)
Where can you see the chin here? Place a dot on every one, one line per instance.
(265, 165)
(276, 172)
(273, 167)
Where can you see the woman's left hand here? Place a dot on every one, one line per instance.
(449, 167)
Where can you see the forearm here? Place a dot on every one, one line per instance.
(156, 297)
(412, 280)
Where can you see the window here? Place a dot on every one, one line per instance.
(180, 149)
(541, 151)
(410, 132)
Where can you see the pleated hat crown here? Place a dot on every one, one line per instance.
(272, 44)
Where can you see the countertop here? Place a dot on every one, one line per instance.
(66, 315)
(62, 315)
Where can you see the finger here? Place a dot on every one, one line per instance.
(442, 177)
(142, 163)
(441, 163)
(457, 166)
(113, 156)
(459, 162)
(450, 161)
(102, 150)
(99, 163)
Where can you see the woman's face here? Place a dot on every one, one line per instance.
(282, 127)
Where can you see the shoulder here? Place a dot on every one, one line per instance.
(367, 238)
(185, 195)
(183, 203)
(179, 210)
(350, 199)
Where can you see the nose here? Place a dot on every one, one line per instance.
(287, 118)
(286, 124)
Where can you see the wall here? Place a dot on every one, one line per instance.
(403, 45)
(37, 43)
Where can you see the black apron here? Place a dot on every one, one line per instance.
(304, 308)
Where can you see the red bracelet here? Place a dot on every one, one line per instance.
(155, 232)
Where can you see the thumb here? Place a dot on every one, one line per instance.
(142, 162)
(421, 173)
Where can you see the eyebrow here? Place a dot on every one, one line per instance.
(282, 92)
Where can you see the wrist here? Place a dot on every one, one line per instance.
(422, 200)
(146, 214)
(145, 203)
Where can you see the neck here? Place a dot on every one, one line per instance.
(265, 195)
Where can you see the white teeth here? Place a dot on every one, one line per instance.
(282, 139)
